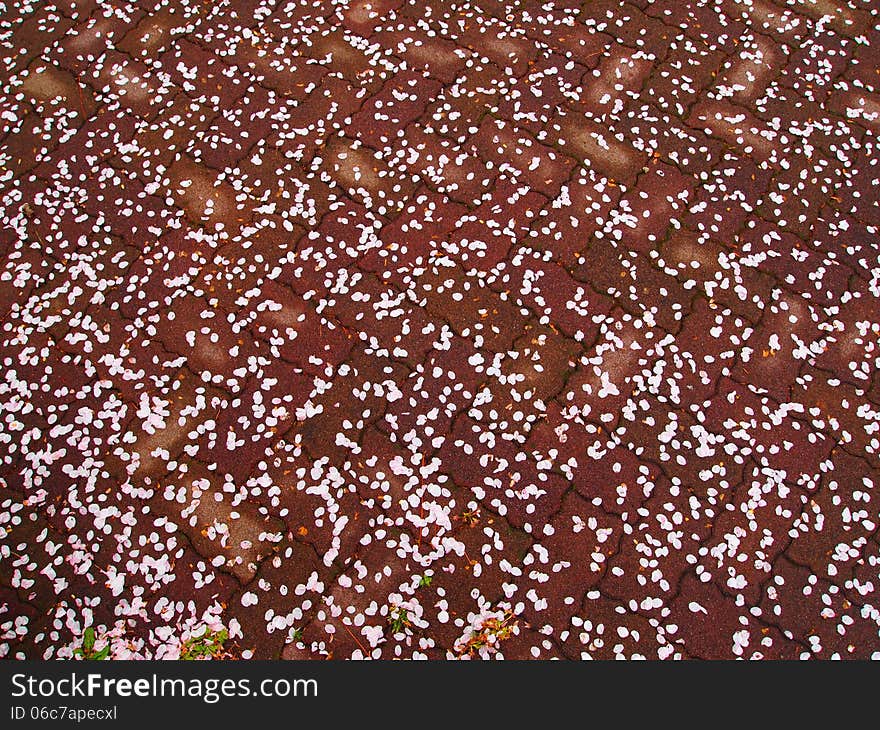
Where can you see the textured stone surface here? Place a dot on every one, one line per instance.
(440, 329)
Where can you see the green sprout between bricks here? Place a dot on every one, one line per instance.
(399, 619)
(87, 650)
(207, 646)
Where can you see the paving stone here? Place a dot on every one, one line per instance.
(89, 40)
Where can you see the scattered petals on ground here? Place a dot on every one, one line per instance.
(440, 329)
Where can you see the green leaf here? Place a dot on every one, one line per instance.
(88, 639)
(103, 654)
(209, 644)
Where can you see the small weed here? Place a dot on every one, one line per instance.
(490, 634)
(87, 650)
(425, 581)
(398, 618)
(296, 635)
(207, 646)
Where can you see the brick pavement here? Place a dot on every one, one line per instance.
(440, 329)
